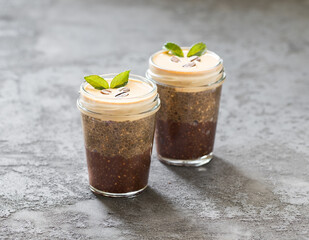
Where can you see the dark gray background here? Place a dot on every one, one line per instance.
(257, 187)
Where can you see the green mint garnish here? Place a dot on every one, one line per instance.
(197, 50)
(174, 49)
(100, 83)
(97, 82)
(120, 80)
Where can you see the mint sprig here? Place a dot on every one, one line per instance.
(197, 49)
(100, 83)
(120, 80)
(174, 49)
(97, 82)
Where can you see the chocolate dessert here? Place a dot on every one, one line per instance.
(118, 116)
(189, 83)
(118, 153)
(186, 123)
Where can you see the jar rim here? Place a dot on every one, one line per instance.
(155, 108)
(219, 81)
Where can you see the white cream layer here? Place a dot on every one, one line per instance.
(207, 61)
(141, 99)
(206, 72)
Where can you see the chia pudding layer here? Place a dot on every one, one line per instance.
(186, 123)
(118, 126)
(118, 153)
(190, 90)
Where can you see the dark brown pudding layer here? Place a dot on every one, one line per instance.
(186, 122)
(118, 174)
(118, 153)
(178, 140)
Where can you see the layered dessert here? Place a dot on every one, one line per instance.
(189, 89)
(118, 129)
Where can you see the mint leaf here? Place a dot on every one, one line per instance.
(197, 49)
(174, 49)
(97, 82)
(120, 80)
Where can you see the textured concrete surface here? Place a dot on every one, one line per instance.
(257, 187)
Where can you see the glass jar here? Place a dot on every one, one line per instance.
(186, 123)
(118, 136)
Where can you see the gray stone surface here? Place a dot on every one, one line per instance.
(257, 187)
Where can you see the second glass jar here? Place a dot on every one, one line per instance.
(186, 123)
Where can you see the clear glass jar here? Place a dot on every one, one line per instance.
(118, 139)
(186, 123)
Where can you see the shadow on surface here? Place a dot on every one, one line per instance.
(223, 182)
(209, 189)
(150, 214)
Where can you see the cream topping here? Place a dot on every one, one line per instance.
(191, 73)
(205, 62)
(138, 101)
(136, 89)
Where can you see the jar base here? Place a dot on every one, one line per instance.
(187, 163)
(117, 195)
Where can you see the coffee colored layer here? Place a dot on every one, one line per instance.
(186, 123)
(188, 107)
(178, 140)
(112, 138)
(118, 153)
(118, 174)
